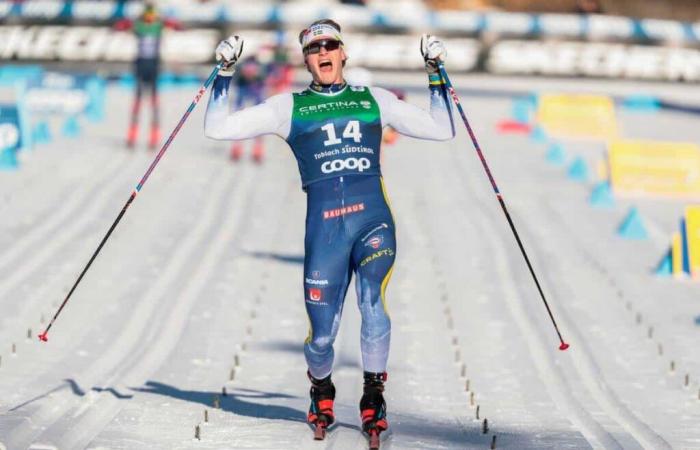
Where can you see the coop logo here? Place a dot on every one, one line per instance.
(359, 164)
(9, 136)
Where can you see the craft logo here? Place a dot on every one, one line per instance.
(331, 213)
(375, 242)
(375, 255)
(315, 294)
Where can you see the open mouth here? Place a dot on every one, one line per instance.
(325, 66)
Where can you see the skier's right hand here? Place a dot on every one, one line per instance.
(228, 51)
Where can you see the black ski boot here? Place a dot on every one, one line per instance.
(373, 408)
(321, 414)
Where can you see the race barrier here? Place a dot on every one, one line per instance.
(669, 169)
(683, 256)
(577, 116)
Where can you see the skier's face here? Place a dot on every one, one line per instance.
(325, 64)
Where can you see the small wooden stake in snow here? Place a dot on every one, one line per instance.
(639, 318)
(687, 380)
(455, 341)
(661, 349)
(206, 415)
(458, 356)
(223, 392)
(493, 442)
(485, 426)
(471, 398)
(232, 375)
(236, 360)
(477, 412)
(196, 432)
(466, 387)
(14, 348)
(216, 402)
(650, 333)
(673, 366)
(463, 372)
(29, 333)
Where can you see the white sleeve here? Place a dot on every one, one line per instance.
(273, 116)
(413, 121)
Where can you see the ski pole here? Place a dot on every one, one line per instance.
(452, 92)
(44, 336)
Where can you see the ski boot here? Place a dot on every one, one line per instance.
(131, 136)
(321, 414)
(154, 138)
(236, 151)
(373, 408)
(258, 152)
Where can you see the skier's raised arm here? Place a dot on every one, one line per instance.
(273, 116)
(411, 120)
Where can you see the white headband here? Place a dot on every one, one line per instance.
(319, 32)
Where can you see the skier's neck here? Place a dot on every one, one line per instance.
(327, 88)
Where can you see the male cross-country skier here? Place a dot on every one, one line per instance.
(148, 30)
(335, 132)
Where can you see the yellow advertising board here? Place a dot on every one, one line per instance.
(577, 116)
(692, 229)
(655, 168)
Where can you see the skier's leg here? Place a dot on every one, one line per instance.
(327, 273)
(373, 257)
(155, 114)
(133, 131)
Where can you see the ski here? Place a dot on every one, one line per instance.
(320, 430)
(373, 439)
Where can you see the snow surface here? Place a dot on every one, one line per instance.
(202, 282)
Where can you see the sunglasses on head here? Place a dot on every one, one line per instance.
(315, 47)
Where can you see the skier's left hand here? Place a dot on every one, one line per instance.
(433, 51)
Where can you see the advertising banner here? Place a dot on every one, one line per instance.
(573, 116)
(655, 168)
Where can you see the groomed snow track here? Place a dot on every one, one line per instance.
(195, 304)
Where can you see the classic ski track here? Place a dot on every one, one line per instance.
(62, 401)
(551, 375)
(75, 202)
(595, 382)
(584, 361)
(51, 245)
(42, 234)
(92, 415)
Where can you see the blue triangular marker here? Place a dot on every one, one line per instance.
(555, 154)
(632, 226)
(665, 267)
(41, 133)
(521, 110)
(8, 159)
(538, 134)
(602, 195)
(71, 127)
(578, 170)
